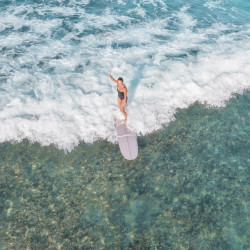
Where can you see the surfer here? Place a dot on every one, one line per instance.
(122, 94)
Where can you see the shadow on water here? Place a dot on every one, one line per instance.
(134, 84)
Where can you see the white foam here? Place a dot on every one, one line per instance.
(217, 4)
(48, 101)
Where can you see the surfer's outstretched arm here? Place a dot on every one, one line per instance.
(112, 78)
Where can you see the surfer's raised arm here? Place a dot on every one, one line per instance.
(112, 78)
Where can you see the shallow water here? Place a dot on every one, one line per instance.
(55, 57)
(188, 188)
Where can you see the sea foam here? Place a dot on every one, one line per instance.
(55, 61)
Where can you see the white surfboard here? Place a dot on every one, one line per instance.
(127, 140)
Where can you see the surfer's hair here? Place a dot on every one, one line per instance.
(120, 78)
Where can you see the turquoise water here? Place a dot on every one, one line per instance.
(63, 181)
(55, 57)
(188, 188)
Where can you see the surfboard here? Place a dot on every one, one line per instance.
(127, 140)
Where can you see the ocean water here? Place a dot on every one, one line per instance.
(188, 188)
(63, 181)
(56, 57)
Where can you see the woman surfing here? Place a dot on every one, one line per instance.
(122, 94)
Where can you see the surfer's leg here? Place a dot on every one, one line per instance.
(119, 102)
(124, 113)
(122, 106)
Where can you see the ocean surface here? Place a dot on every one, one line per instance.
(64, 183)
